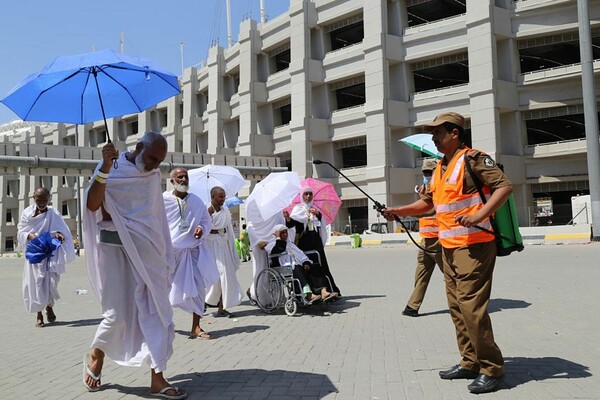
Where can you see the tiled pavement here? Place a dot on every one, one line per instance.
(544, 311)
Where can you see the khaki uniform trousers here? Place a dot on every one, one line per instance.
(425, 265)
(468, 273)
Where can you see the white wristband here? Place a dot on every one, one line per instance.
(102, 175)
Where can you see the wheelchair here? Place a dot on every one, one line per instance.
(276, 287)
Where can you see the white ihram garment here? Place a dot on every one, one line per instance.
(262, 231)
(222, 246)
(132, 280)
(40, 281)
(195, 267)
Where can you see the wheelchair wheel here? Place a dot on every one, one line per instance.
(269, 290)
(290, 307)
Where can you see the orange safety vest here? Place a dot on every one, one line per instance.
(449, 202)
(428, 227)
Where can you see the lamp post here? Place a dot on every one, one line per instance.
(590, 113)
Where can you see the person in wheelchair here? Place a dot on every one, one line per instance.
(310, 275)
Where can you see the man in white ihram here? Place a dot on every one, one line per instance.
(40, 281)
(129, 258)
(227, 292)
(195, 267)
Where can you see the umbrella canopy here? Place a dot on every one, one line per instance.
(203, 179)
(325, 198)
(90, 87)
(41, 248)
(271, 195)
(233, 201)
(423, 143)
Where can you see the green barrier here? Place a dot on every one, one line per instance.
(355, 241)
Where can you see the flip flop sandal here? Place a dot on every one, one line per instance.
(39, 323)
(163, 394)
(313, 299)
(87, 371)
(51, 316)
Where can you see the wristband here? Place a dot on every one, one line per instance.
(99, 179)
(102, 174)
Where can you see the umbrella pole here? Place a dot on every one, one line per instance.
(378, 206)
(95, 73)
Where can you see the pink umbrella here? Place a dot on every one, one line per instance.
(325, 198)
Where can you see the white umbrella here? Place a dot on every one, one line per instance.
(272, 195)
(203, 179)
(423, 143)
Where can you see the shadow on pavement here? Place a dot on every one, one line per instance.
(255, 383)
(505, 304)
(520, 370)
(494, 306)
(218, 333)
(75, 324)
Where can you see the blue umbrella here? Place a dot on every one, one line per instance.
(89, 87)
(233, 201)
(41, 248)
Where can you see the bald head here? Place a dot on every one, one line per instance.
(41, 197)
(217, 196)
(150, 151)
(178, 171)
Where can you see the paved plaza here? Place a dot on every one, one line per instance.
(543, 308)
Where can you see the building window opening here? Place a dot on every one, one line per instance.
(555, 125)
(65, 208)
(347, 35)
(554, 51)
(350, 96)
(282, 112)
(425, 11)
(9, 244)
(9, 217)
(440, 73)
(280, 58)
(286, 159)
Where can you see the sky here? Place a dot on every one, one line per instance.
(34, 32)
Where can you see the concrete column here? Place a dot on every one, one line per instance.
(377, 95)
(215, 95)
(302, 12)
(485, 125)
(249, 43)
(190, 122)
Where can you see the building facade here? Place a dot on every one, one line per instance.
(344, 80)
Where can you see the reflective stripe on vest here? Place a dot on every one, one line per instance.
(428, 227)
(450, 202)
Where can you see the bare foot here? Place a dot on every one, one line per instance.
(94, 365)
(159, 383)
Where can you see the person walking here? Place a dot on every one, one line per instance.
(430, 253)
(244, 244)
(227, 292)
(40, 280)
(195, 266)
(130, 263)
(468, 253)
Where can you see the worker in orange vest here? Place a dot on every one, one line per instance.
(430, 252)
(468, 253)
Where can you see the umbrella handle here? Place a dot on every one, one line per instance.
(95, 73)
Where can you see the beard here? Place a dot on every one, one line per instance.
(182, 188)
(139, 163)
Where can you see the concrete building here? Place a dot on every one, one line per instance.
(345, 80)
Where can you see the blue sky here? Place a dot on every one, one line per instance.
(34, 32)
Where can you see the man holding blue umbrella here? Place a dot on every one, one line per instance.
(130, 262)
